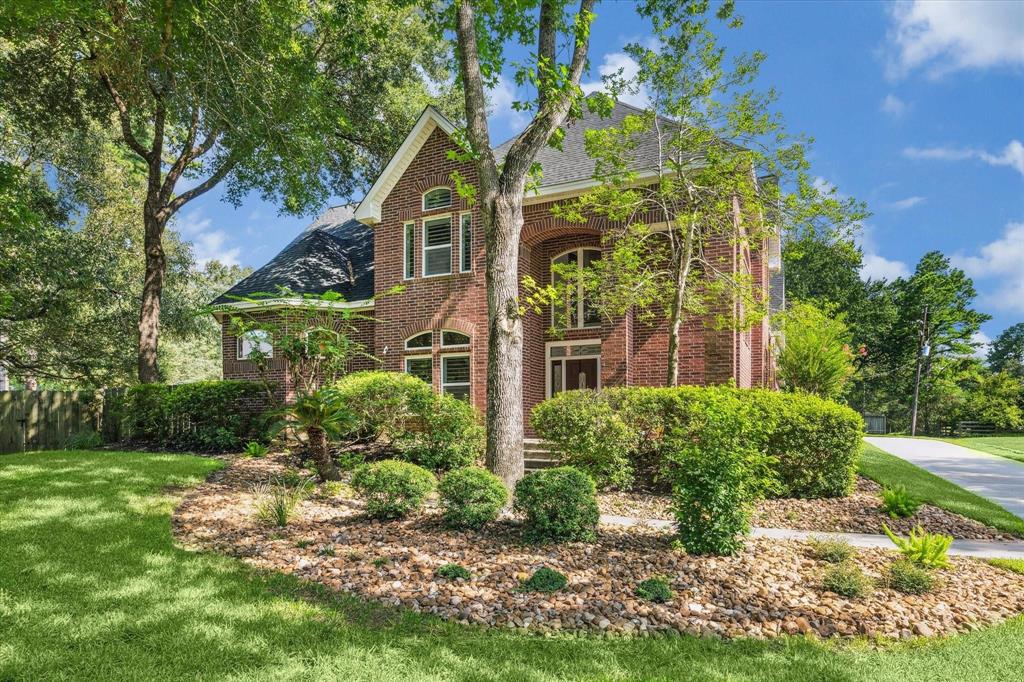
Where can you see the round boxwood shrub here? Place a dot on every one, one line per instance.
(392, 489)
(655, 590)
(588, 434)
(560, 505)
(471, 497)
(437, 431)
(544, 579)
(903, 575)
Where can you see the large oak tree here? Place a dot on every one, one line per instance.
(295, 99)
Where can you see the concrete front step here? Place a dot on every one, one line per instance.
(537, 455)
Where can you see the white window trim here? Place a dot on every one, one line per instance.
(451, 199)
(579, 288)
(405, 250)
(467, 384)
(547, 361)
(241, 339)
(425, 349)
(463, 246)
(405, 365)
(455, 345)
(449, 246)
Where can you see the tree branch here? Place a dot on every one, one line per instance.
(125, 118)
(475, 101)
(201, 188)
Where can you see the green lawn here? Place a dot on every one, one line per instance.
(888, 470)
(91, 587)
(1011, 447)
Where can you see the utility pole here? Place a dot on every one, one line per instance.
(922, 347)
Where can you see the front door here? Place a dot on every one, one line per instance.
(567, 371)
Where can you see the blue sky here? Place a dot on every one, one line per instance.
(916, 108)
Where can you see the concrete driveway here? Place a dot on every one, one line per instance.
(995, 478)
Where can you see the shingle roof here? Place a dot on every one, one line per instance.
(572, 163)
(335, 253)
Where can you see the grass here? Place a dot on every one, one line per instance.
(889, 470)
(92, 587)
(1011, 447)
(1015, 565)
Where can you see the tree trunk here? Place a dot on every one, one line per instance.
(152, 290)
(682, 274)
(325, 468)
(505, 343)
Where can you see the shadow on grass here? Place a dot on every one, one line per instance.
(91, 587)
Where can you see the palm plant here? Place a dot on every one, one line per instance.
(319, 415)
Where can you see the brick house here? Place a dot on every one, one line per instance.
(412, 229)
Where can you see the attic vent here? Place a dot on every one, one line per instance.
(439, 197)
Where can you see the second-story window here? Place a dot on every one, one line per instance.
(437, 247)
(409, 267)
(437, 198)
(574, 311)
(465, 242)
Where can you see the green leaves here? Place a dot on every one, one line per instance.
(816, 355)
(923, 548)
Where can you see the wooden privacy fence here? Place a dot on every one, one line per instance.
(44, 420)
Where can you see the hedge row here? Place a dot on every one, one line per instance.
(211, 416)
(615, 433)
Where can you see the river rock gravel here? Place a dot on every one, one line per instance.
(770, 588)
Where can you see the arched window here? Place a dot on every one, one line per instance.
(574, 311)
(421, 341)
(439, 197)
(450, 339)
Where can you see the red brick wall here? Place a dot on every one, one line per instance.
(634, 352)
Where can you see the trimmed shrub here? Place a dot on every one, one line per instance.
(846, 580)
(716, 475)
(436, 431)
(560, 505)
(899, 502)
(453, 572)
(830, 551)
(544, 579)
(814, 443)
(589, 435)
(392, 489)
(471, 497)
(209, 416)
(903, 575)
(923, 548)
(656, 590)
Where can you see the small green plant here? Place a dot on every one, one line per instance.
(655, 589)
(292, 478)
(380, 561)
(830, 551)
(256, 449)
(276, 502)
(354, 555)
(392, 489)
(471, 497)
(544, 580)
(326, 550)
(903, 575)
(347, 460)
(846, 580)
(453, 572)
(898, 502)
(923, 548)
(302, 544)
(83, 440)
(560, 505)
(329, 489)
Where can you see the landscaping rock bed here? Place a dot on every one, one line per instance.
(770, 588)
(861, 512)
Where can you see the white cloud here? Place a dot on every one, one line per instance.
(942, 37)
(207, 244)
(1001, 260)
(982, 341)
(904, 204)
(1012, 155)
(500, 99)
(620, 65)
(874, 265)
(893, 106)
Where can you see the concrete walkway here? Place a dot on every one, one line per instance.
(996, 478)
(983, 549)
